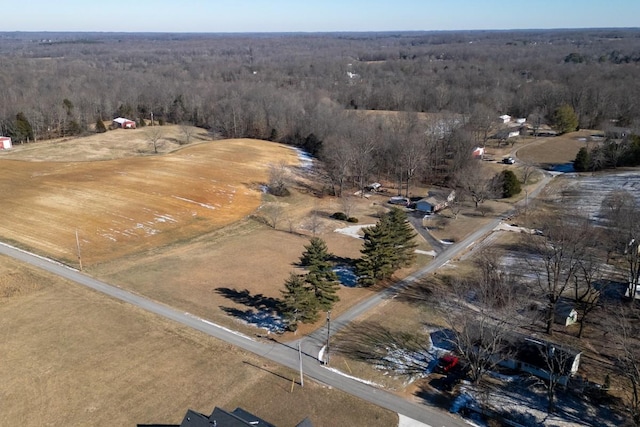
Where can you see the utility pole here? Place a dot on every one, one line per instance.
(328, 334)
(300, 357)
(78, 247)
(152, 118)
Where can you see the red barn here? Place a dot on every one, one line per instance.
(5, 143)
(123, 123)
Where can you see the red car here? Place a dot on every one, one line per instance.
(447, 363)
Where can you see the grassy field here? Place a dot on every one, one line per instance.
(555, 150)
(71, 356)
(180, 227)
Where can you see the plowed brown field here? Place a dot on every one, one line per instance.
(128, 205)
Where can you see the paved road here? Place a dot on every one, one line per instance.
(314, 342)
(287, 353)
(283, 353)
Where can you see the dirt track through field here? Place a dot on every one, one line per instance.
(124, 206)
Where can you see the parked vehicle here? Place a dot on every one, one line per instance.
(447, 363)
(508, 160)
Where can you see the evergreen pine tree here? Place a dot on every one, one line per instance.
(510, 184)
(316, 254)
(298, 302)
(377, 258)
(403, 235)
(100, 127)
(324, 287)
(23, 129)
(582, 160)
(388, 246)
(321, 277)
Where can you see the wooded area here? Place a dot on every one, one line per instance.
(298, 88)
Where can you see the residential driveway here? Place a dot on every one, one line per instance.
(415, 219)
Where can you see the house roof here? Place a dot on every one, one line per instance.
(221, 418)
(121, 120)
(431, 200)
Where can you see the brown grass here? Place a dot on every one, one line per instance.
(74, 357)
(125, 206)
(555, 150)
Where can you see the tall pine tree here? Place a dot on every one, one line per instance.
(388, 246)
(321, 278)
(403, 235)
(298, 302)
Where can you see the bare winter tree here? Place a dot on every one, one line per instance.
(555, 256)
(626, 333)
(476, 183)
(337, 157)
(347, 203)
(313, 222)
(273, 213)
(588, 285)
(622, 213)
(557, 361)
(154, 135)
(483, 313)
(278, 179)
(187, 132)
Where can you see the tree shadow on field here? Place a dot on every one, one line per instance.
(262, 312)
(244, 297)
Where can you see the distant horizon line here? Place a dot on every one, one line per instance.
(315, 32)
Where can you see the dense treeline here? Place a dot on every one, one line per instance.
(612, 154)
(295, 88)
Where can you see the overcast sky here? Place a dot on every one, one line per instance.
(313, 15)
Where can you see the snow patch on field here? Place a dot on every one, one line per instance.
(204, 205)
(430, 253)
(352, 377)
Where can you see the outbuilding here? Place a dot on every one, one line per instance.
(123, 123)
(5, 143)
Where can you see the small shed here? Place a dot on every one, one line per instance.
(505, 118)
(5, 143)
(478, 153)
(565, 313)
(123, 123)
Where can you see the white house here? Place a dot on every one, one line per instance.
(5, 143)
(505, 118)
(543, 359)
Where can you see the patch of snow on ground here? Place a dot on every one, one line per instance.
(353, 230)
(431, 253)
(165, 218)
(517, 229)
(263, 319)
(306, 161)
(352, 377)
(231, 331)
(346, 276)
(204, 205)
